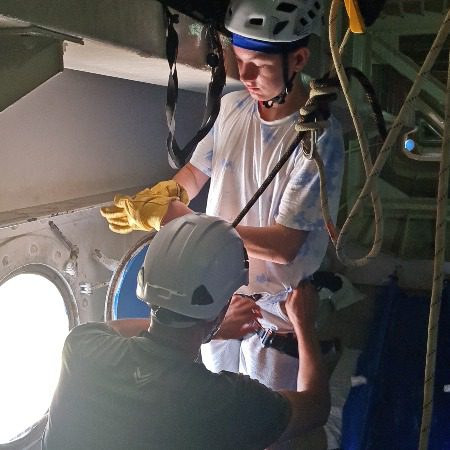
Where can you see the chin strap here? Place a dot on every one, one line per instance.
(288, 84)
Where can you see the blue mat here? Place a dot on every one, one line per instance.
(386, 413)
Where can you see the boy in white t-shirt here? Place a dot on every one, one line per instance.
(284, 231)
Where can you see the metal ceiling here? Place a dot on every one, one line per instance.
(126, 39)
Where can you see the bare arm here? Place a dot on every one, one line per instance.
(192, 179)
(277, 243)
(175, 209)
(311, 403)
(129, 327)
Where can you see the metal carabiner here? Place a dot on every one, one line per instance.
(312, 147)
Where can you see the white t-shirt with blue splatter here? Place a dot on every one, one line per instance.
(239, 153)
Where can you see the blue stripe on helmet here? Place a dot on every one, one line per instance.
(265, 46)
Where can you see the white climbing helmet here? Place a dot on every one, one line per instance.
(274, 20)
(193, 266)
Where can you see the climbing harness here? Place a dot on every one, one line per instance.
(178, 157)
(283, 342)
(287, 342)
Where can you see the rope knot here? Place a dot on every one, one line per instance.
(315, 112)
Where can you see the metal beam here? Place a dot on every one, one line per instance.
(384, 54)
(409, 24)
(134, 24)
(27, 62)
(125, 38)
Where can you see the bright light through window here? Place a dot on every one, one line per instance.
(33, 326)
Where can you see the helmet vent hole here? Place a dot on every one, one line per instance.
(286, 7)
(311, 14)
(303, 21)
(258, 21)
(280, 27)
(201, 296)
(317, 5)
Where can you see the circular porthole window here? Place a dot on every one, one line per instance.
(37, 310)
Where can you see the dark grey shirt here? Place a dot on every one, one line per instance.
(135, 393)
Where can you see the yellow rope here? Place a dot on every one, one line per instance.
(369, 189)
(367, 161)
(372, 172)
(438, 277)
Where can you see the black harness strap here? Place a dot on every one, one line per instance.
(178, 157)
(284, 343)
(287, 342)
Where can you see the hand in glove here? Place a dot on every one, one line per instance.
(145, 210)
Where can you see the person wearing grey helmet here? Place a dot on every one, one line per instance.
(132, 384)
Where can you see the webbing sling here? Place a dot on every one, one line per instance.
(178, 157)
(287, 342)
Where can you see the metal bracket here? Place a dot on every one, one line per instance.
(35, 30)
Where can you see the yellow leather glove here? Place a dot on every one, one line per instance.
(145, 210)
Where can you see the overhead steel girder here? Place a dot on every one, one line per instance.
(385, 54)
(133, 24)
(212, 11)
(134, 28)
(27, 62)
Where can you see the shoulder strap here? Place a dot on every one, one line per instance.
(178, 157)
